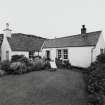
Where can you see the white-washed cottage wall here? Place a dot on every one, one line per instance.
(78, 56)
(5, 49)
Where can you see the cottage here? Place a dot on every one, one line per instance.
(19, 44)
(80, 49)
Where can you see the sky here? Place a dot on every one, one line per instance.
(52, 18)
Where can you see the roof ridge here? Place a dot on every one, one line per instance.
(74, 40)
(28, 35)
(75, 35)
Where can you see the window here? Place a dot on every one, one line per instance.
(59, 53)
(31, 54)
(65, 54)
(48, 54)
(62, 53)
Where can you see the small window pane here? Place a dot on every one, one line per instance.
(65, 54)
(59, 53)
(31, 54)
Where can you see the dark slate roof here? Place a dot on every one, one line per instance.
(73, 41)
(1, 39)
(23, 42)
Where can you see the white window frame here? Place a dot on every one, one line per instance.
(65, 54)
(62, 54)
(59, 55)
(31, 54)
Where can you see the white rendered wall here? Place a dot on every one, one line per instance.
(5, 47)
(100, 44)
(78, 56)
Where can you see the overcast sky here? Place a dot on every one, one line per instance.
(52, 18)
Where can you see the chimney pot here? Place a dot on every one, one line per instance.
(83, 29)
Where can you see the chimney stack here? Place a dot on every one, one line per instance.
(7, 31)
(83, 29)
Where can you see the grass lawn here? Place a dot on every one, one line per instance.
(43, 88)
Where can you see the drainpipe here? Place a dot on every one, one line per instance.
(92, 54)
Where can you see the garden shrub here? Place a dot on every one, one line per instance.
(66, 64)
(101, 58)
(2, 73)
(20, 64)
(16, 58)
(96, 81)
(46, 64)
(20, 58)
(24, 60)
(62, 64)
(38, 64)
(18, 67)
(59, 63)
(5, 65)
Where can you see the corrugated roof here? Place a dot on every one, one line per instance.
(73, 41)
(23, 42)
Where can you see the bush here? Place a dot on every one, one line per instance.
(59, 63)
(18, 68)
(37, 64)
(46, 65)
(23, 59)
(101, 58)
(40, 64)
(66, 64)
(20, 64)
(5, 65)
(63, 64)
(20, 58)
(2, 72)
(16, 58)
(96, 81)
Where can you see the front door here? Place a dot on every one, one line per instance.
(48, 54)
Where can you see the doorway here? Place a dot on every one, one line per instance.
(48, 54)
